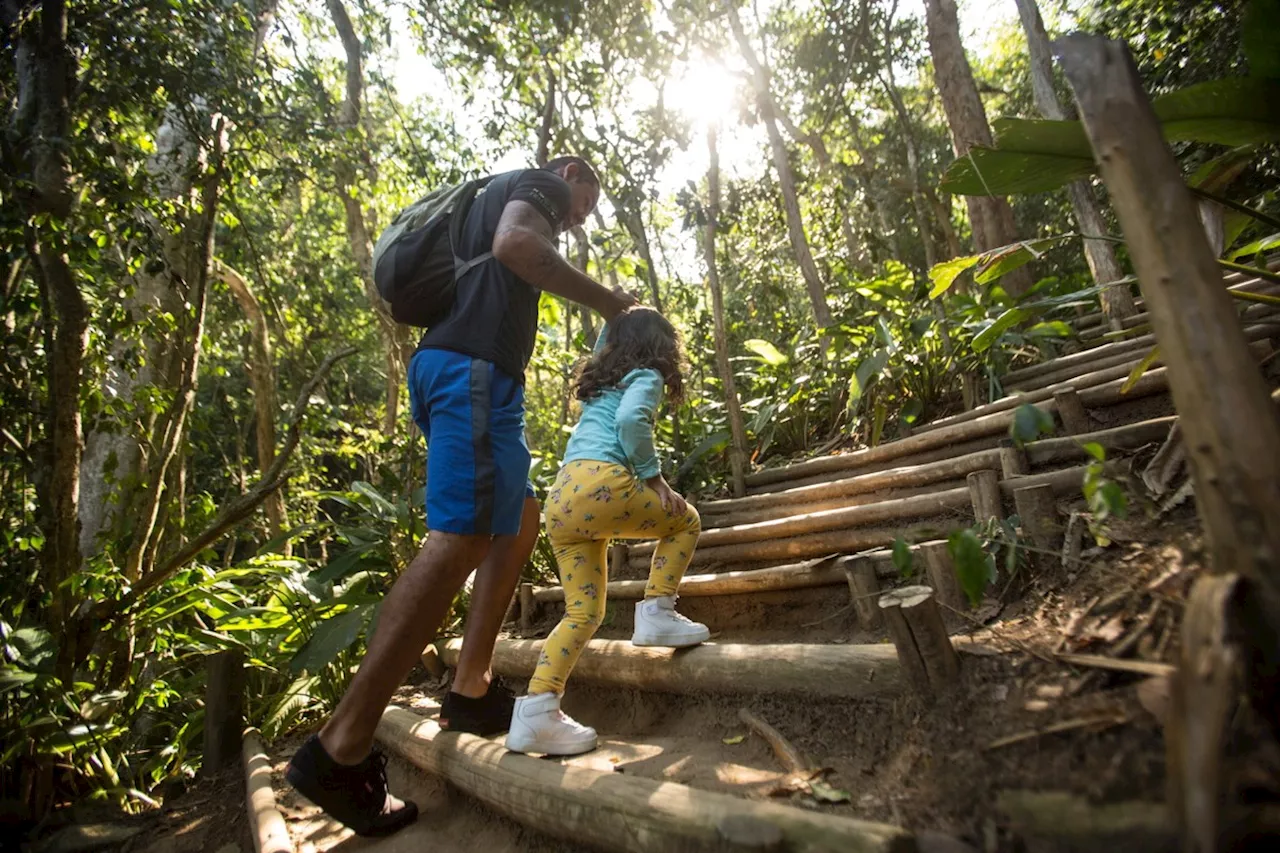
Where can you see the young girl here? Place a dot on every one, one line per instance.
(610, 487)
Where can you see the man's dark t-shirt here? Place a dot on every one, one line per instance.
(495, 314)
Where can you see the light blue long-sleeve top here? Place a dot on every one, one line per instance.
(617, 426)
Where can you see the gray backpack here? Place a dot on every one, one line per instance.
(414, 272)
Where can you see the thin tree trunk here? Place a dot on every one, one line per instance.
(41, 124)
(738, 444)
(548, 120)
(795, 224)
(1117, 302)
(585, 316)
(990, 217)
(395, 338)
(263, 381)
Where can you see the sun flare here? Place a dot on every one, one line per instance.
(703, 90)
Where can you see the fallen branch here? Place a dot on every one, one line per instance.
(1139, 667)
(240, 508)
(1104, 720)
(787, 754)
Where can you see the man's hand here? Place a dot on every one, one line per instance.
(624, 299)
(672, 501)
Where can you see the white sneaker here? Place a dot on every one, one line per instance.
(658, 624)
(538, 725)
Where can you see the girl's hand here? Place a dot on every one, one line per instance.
(672, 501)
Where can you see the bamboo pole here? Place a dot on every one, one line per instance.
(1230, 425)
(266, 825)
(847, 671)
(616, 811)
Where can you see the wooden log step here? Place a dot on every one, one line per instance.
(847, 671)
(1063, 380)
(1257, 311)
(1234, 281)
(904, 477)
(615, 811)
(1013, 377)
(798, 576)
(949, 508)
(1154, 381)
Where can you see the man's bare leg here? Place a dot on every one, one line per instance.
(410, 616)
(495, 582)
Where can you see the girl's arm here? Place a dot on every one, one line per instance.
(636, 412)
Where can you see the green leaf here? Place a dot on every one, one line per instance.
(1005, 259)
(1265, 244)
(911, 411)
(990, 171)
(1050, 329)
(1141, 368)
(1097, 451)
(342, 565)
(974, 566)
(1235, 111)
(944, 275)
(710, 444)
(1260, 37)
(1029, 423)
(984, 339)
(865, 375)
(1217, 174)
(877, 422)
(332, 637)
(903, 560)
(385, 507)
(768, 353)
(733, 740)
(825, 793)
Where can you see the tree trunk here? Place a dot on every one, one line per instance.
(991, 218)
(1117, 301)
(738, 444)
(585, 315)
(41, 124)
(795, 224)
(548, 120)
(395, 337)
(262, 379)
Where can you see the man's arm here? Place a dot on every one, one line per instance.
(524, 244)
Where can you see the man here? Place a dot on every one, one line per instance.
(466, 390)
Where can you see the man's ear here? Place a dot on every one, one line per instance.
(571, 172)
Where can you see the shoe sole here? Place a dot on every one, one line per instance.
(302, 784)
(532, 745)
(671, 641)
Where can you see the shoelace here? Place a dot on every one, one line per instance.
(675, 614)
(375, 782)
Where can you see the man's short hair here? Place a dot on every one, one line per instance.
(588, 174)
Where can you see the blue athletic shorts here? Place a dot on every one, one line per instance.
(472, 415)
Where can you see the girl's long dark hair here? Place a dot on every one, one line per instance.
(639, 337)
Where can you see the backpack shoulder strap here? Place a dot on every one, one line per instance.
(458, 221)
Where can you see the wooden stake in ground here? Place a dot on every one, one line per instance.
(224, 709)
(941, 570)
(1013, 459)
(1074, 416)
(929, 661)
(1039, 515)
(527, 604)
(1230, 424)
(863, 586)
(984, 493)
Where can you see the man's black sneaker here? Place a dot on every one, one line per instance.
(486, 716)
(355, 795)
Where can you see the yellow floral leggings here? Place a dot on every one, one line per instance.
(591, 503)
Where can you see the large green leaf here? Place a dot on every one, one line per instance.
(1237, 111)
(332, 637)
(944, 275)
(975, 568)
(865, 375)
(984, 339)
(1038, 156)
(767, 351)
